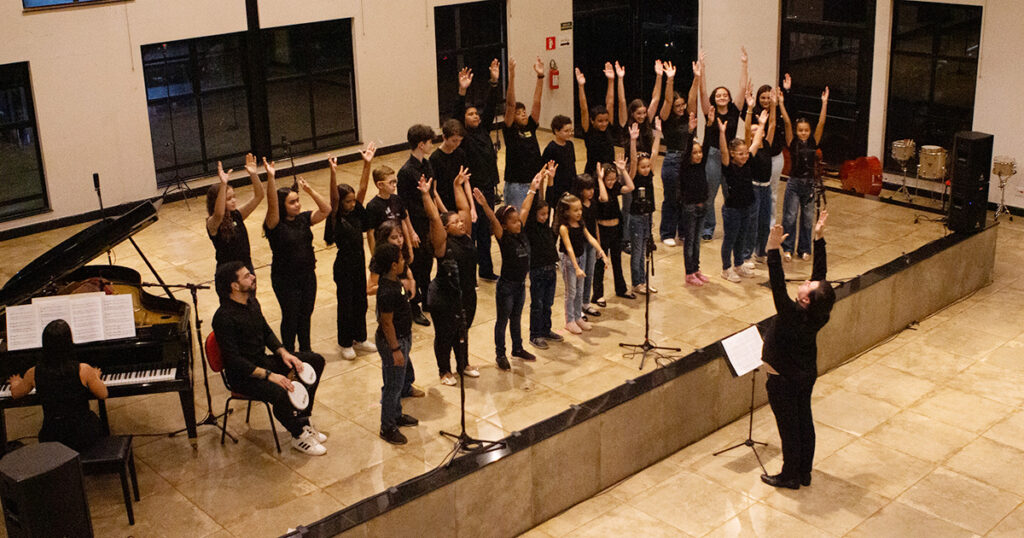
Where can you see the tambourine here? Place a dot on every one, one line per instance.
(300, 396)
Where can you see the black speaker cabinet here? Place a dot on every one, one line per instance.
(972, 163)
(42, 492)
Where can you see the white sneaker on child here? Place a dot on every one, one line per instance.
(730, 275)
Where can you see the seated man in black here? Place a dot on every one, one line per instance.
(791, 353)
(242, 334)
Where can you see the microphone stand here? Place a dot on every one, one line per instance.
(177, 184)
(288, 151)
(103, 213)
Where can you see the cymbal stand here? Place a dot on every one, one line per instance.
(903, 184)
(1003, 180)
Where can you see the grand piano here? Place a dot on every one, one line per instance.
(157, 359)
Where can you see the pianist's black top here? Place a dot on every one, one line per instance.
(242, 335)
(66, 415)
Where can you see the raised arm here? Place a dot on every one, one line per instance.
(744, 79)
(609, 94)
(220, 204)
(462, 203)
(670, 89)
(524, 212)
(364, 179)
(602, 191)
(758, 141)
(655, 145)
(749, 97)
(581, 82)
(659, 71)
(496, 228)
(510, 94)
(723, 144)
(627, 180)
(785, 118)
(258, 191)
(820, 128)
(493, 94)
(634, 134)
(700, 71)
(332, 186)
(273, 213)
(323, 207)
(438, 235)
(620, 72)
(776, 275)
(538, 90)
(772, 117)
(820, 262)
(691, 97)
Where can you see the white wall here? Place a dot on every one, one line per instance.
(529, 23)
(90, 99)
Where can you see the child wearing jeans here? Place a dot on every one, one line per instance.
(394, 340)
(573, 238)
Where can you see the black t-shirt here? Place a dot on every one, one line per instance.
(446, 168)
(244, 337)
(740, 193)
(565, 158)
(600, 148)
(522, 157)
(577, 239)
(779, 140)
(291, 241)
(590, 217)
(233, 246)
(515, 256)
(380, 210)
(676, 130)
(610, 209)
(711, 132)
(408, 189)
(481, 157)
(804, 157)
(647, 182)
(462, 249)
(693, 182)
(346, 231)
(542, 243)
(393, 298)
(762, 165)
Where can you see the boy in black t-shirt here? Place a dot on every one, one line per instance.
(563, 152)
(394, 340)
(522, 155)
(738, 172)
(386, 205)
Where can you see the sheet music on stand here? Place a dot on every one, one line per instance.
(743, 350)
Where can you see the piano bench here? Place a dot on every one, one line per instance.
(110, 455)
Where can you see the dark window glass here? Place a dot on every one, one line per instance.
(933, 74)
(310, 95)
(468, 35)
(848, 12)
(22, 188)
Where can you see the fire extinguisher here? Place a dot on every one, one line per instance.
(553, 80)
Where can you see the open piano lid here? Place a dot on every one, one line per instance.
(75, 252)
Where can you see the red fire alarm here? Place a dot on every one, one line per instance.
(550, 43)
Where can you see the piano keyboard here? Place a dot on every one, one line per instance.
(114, 379)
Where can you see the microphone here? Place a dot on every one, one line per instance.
(96, 181)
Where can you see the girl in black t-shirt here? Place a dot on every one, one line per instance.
(510, 291)
(596, 123)
(798, 202)
(584, 187)
(225, 224)
(717, 106)
(641, 168)
(738, 169)
(292, 275)
(612, 180)
(573, 238)
(693, 188)
(345, 229)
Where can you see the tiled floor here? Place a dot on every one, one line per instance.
(903, 392)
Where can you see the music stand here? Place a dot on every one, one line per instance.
(743, 353)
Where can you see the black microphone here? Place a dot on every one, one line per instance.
(96, 181)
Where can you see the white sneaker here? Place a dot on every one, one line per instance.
(471, 371)
(805, 256)
(669, 242)
(348, 353)
(368, 347)
(730, 275)
(320, 437)
(749, 264)
(787, 256)
(307, 443)
(760, 259)
(743, 271)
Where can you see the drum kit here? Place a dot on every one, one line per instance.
(931, 163)
(1004, 167)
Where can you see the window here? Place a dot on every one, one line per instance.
(468, 35)
(198, 95)
(310, 86)
(23, 188)
(932, 75)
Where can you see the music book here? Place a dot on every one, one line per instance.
(743, 350)
(92, 316)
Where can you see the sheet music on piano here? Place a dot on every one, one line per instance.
(92, 316)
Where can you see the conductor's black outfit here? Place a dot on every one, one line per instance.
(790, 347)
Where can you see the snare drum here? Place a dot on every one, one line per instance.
(932, 163)
(903, 150)
(1004, 166)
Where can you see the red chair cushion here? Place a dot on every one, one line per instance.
(213, 354)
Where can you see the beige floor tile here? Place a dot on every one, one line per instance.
(926, 361)
(738, 469)
(992, 382)
(1011, 526)
(708, 504)
(897, 519)
(920, 436)
(168, 513)
(1009, 431)
(994, 463)
(375, 479)
(276, 520)
(834, 411)
(830, 503)
(176, 462)
(762, 520)
(960, 500)
(875, 467)
(625, 520)
(580, 515)
(962, 410)
(643, 481)
(887, 384)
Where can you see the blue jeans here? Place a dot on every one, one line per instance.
(573, 289)
(713, 170)
(760, 222)
(692, 219)
(482, 236)
(515, 193)
(639, 232)
(627, 202)
(798, 213)
(671, 208)
(587, 262)
(778, 162)
(509, 297)
(542, 296)
(394, 381)
(734, 227)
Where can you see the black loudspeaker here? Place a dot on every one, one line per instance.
(972, 163)
(42, 492)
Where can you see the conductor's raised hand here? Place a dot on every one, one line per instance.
(775, 238)
(819, 227)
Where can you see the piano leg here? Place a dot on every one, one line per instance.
(188, 408)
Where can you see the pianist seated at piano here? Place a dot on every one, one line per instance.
(243, 335)
(64, 386)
